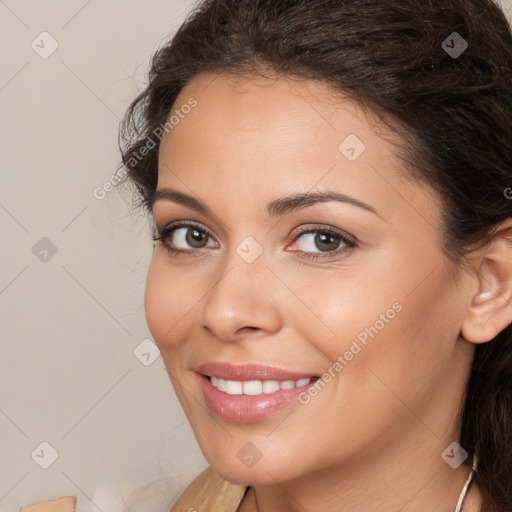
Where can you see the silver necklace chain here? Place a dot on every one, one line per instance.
(462, 496)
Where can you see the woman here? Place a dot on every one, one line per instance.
(331, 282)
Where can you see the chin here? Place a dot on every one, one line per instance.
(255, 472)
(246, 476)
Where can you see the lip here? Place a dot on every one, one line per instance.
(248, 408)
(228, 371)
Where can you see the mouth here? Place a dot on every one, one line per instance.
(250, 393)
(257, 387)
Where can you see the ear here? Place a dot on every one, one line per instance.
(490, 310)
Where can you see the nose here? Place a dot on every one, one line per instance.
(243, 301)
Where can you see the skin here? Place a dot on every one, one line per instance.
(372, 439)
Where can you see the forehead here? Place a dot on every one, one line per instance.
(275, 135)
(235, 118)
(252, 103)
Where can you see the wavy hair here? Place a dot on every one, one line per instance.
(452, 113)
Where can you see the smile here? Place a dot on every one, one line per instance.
(249, 393)
(255, 387)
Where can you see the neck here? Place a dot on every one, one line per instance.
(415, 478)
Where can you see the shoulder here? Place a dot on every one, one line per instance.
(64, 504)
(209, 492)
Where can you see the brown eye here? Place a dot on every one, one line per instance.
(322, 242)
(183, 238)
(194, 236)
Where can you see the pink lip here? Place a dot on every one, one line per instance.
(228, 371)
(248, 408)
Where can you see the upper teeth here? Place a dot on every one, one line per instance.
(255, 387)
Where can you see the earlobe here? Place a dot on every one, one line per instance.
(490, 310)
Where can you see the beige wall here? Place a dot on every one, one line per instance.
(72, 321)
(70, 325)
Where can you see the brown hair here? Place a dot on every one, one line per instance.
(452, 112)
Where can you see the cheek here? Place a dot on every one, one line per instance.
(348, 306)
(394, 348)
(167, 299)
(392, 322)
(156, 304)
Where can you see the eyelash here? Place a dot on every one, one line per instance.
(165, 233)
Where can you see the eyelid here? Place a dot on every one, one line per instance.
(324, 228)
(180, 223)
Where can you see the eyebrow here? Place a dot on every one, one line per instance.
(276, 207)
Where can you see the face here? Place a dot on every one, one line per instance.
(309, 275)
